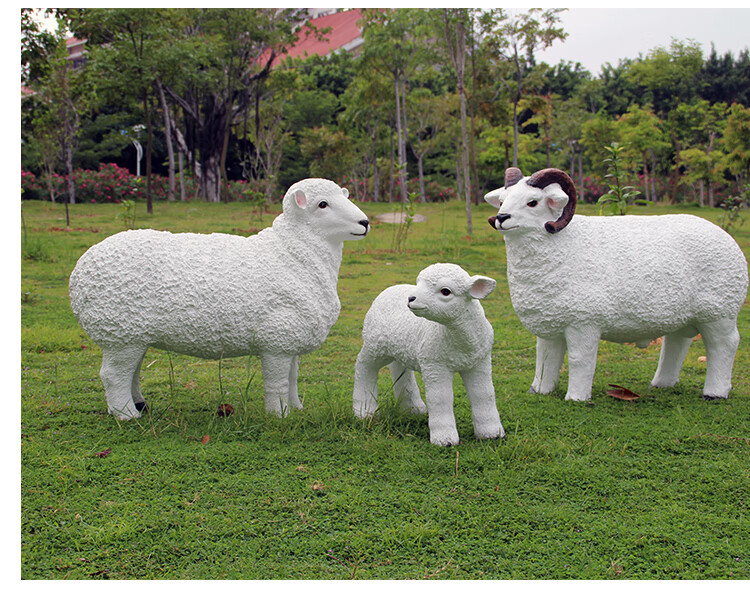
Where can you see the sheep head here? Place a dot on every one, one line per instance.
(444, 292)
(325, 207)
(546, 199)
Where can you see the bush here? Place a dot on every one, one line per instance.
(112, 184)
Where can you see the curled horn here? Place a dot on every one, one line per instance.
(512, 176)
(541, 180)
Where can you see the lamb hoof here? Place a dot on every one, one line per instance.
(142, 407)
(712, 398)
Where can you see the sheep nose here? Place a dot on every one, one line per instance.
(365, 223)
(412, 299)
(497, 222)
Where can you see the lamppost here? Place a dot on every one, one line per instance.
(138, 149)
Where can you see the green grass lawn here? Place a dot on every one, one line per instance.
(656, 488)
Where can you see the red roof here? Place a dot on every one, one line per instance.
(343, 31)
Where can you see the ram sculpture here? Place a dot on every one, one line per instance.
(575, 280)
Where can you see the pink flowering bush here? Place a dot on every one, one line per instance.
(113, 184)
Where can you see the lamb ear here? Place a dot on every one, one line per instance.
(345, 192)
(300, 198)
(495, 198)
(481, 286)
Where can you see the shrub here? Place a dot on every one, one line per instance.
(113, 184)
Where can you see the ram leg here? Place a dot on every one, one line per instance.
(276, 370)
(119, 375)
(721, 340)
(549, 359)
(674, 348)
(365, 396)
(481, 394)
(294, 400)
(583, 346)
(438, 384)
(405, 389)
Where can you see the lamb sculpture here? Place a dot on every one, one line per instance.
(217, 296)
(574, 280)
(436, 327)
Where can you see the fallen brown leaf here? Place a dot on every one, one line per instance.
(102, 454)
(225, 410)
(205, 439)
(623, 393)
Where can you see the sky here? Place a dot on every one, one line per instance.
(600, 35)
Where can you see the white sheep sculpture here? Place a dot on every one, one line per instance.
(436, 327)
(574, 280)
(271, 295)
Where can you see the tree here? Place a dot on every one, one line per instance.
(458, 23)
(224, 54)
(597, 134)
(366, 114)
(428, 115)
(395, 45)
(642, 138)
(567, 133)
(514, 40)
(62, 96)
(126, 47)
(737, 144)
(703, 125)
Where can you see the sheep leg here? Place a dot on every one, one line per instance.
(583, 345)
(293, 393)
(365, 396)
(438, 384)
(481, 392)
(721, 340)
(119, 371)
(276, 370)
(549, 359)
(674, 348)
(405, 388)
(138, 399)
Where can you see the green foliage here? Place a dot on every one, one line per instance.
(620, 197)
(127, 214)
(406, 212)
(611, 490)
(732, 208)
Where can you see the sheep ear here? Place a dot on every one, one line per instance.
(481, 286)
(345, 192)
(301, 199)
(556, 199)
(495, 198)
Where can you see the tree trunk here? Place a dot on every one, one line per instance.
(580, 171)
(645, 178)
(149, 142)
(168, 139)
(375, 172)
(400, 144)
(420, 166)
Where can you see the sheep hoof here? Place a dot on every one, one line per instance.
(712, 398)
(142, 407)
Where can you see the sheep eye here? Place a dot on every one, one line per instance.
(532, 203)
(445, 292)
(322, 204)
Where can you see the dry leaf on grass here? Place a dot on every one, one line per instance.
(225, 410)
(623, 393)
(102, 454)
